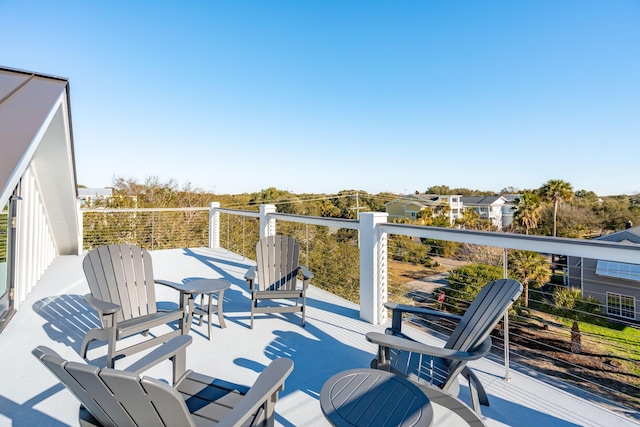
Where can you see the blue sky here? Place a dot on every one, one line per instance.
(321, 96)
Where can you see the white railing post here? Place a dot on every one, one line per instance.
(80, 216)
(214, 225)
(267, 224)
(373, 268)
(505, 322)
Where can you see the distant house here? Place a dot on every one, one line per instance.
(38, 205)
(616, 285)
(490, 208)
(509, 209)
(411, 205)
(89, 195)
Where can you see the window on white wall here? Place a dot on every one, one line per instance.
(621, 305)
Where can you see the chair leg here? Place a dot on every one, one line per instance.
(92, 335)
(382, 360)
(111, 348)
(476, 390)
(209, 310)
(252, 310)
(269, 410)
(303, 308)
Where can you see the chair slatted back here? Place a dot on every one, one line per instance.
(484, 313)
(118, 398)
(122, 274)
(277, 259)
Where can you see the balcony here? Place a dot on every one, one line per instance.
(333, 339)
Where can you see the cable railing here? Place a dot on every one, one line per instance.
(151, 228)
(421, 262)
(601, 356)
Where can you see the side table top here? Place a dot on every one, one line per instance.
(371, 397)
(206, 286)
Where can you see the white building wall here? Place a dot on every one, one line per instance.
(35, 247)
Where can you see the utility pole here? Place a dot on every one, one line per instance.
(357, 208)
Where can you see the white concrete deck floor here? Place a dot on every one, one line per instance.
(333, 340)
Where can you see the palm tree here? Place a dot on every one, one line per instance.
(470, 219)
(530, 268)
(555, 191)
(528, 209)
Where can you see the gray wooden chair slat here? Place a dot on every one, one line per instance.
(123, 275)
(169, 403)
(429, 366)
(138, 285)
(56, 365)
(113, 397)
(277, 267)
(483, 314)
(110, 274)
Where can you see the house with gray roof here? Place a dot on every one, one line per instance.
(615, 284)
(411, 205)
(490, 208)
(38, 199)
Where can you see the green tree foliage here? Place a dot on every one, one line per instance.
(572, 221)
(465, 192)
(152, 230)
(556, 191)
(613, 213)
(335, 262)
(527, 210)
(586, 215)
(438, 189)
(285, 201)
(465, 283)
(530, 268)
(569, 303)
(409, 249)
(471, 221)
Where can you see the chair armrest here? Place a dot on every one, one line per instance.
(392, 341)
(265, 389)
(102, 307)
(175, 349)
(306, 274)
(182, 287)
(250, 274)
(421, 310)
(398, 309)
(185, 288)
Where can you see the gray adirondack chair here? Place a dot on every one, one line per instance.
(430, 366)
(121, 398)
(122, 286)
(275, 276)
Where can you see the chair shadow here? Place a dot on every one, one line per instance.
(513, 414)
(312, 370)
(25, 414)
(212, 262)
(351, 313)
(68, 319)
